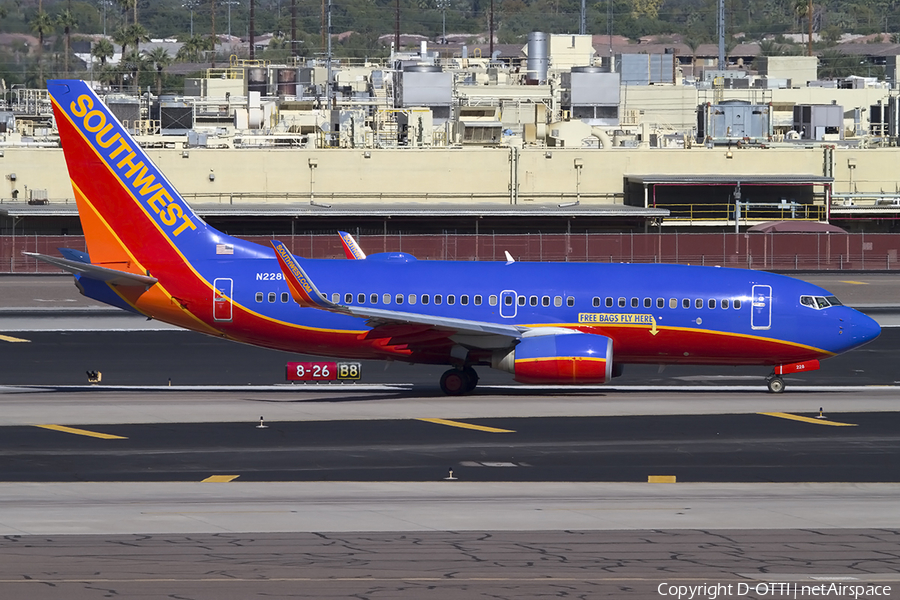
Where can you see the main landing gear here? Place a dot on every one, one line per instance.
(457, 382)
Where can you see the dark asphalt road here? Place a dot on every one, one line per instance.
(152, 358)
(708, 448)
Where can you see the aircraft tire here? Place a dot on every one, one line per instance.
(471, 378)
(454, 382)
(775, 384)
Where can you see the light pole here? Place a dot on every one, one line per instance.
(442, 4)
(190, 5)
(229, 3)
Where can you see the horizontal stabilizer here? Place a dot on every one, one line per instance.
(96, 272)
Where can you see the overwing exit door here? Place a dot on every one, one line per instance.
(222, 306)
(508, 305)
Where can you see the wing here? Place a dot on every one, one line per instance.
(401, 327)
(96, 272)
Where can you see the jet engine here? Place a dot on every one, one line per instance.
(563, 358)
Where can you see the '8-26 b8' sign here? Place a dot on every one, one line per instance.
(323, 371)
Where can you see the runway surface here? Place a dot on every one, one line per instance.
(197, 502)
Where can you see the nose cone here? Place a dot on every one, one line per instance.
(863, 329)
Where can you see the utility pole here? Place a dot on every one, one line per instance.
(809, 18)
(721, 27)
(252, 32)
(397, 26)
(491, 51)
(293, 27)
(213, 7)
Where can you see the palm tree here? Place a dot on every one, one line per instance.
(67, 21)
(192, 50)
(122, 37)
(160, 58)
(41, 25)
(132, 62)
(693, 43)
(138, 34)
(103, 50)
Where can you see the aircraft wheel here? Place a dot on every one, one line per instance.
(471, 378)
(776, 385)
(454, 382)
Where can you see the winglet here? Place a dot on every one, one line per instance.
(351, 248)
(509, 259)
(302, 288)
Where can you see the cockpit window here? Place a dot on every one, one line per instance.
(819, 302)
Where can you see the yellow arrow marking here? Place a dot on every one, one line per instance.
(467, 425)
(808, 419)
(653, 330)
(220, 478)
(8, 338)
(102, 436)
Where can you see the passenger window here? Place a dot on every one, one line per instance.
(464, 299)
(737, 304)
(348, 298)
(557, 300)
(622, 302)
(373, 298)
(492, 300)
(545, 301)
(411, 298)
(711, 303)
(660, 303)
(477, 299)
(724, 303)
(609, 302)
(285, 297)
(570, 301)
(686, 303)
(648, 303)
(451, 299)
(635, 303)
(533, 301)
(271, 296)
(522, 300)
(698, 303)
(673, 302)
(259, 296)
(507, 300)
(360, 298)
(335, 297)
(399, 298)
(425, 298)
(596, 301)
(437, 299)
(386, 298)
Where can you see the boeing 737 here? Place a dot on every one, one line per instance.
(547, 323)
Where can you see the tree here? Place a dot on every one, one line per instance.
(160, 59)
(41, 25)
(122, 37)
(67, 21)
(132, 63)
(192, 50)
(103, 50)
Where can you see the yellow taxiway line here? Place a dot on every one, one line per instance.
(467, 425)
(9, 338)
(220, 478)
(103, 436)
(808, 419)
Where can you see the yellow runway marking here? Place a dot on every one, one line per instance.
(808, 419)
(467, 425)
(220, 479)
(103, 436)
(660, 479)
(9, 338)
(856, 282)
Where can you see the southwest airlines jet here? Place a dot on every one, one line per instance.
(547, 323)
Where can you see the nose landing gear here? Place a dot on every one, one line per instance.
(774, 381)
(457, 382)
(775, 384)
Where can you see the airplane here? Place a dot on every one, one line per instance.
(546, 323)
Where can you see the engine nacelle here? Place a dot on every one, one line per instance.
(568, 358)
